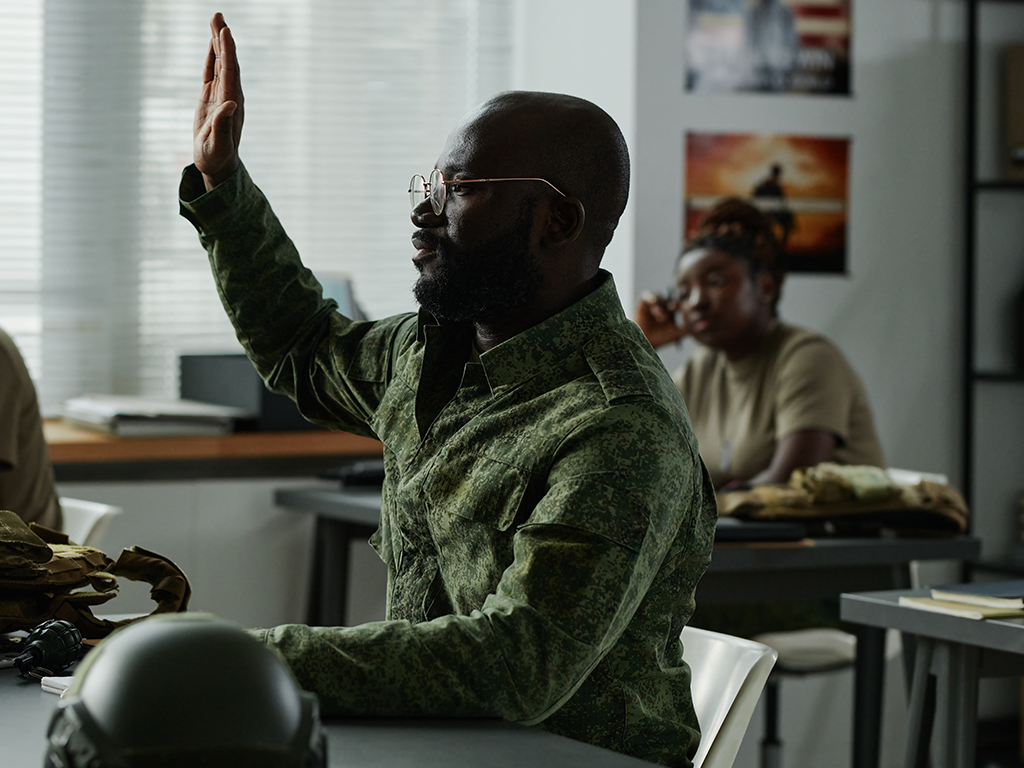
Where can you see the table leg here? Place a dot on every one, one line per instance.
(918, 693)
(313, 597)
(329, 587)
(868, 685)
(956, 693)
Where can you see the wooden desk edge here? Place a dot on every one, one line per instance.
(68, 445)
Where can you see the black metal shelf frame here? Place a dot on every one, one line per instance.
(973, 188)
(998, 377)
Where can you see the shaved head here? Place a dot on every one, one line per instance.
(569, 141)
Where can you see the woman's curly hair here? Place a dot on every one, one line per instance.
(741, 230)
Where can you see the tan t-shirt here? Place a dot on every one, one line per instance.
(26, 474)
(796, 380)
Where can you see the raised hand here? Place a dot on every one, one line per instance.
(217, 128)
(656, 317)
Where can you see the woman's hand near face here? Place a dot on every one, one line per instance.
(656, 317)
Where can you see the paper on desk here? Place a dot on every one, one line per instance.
(131, 416)
(56, 685)
(100, 407)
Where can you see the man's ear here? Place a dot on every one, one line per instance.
(565, 221)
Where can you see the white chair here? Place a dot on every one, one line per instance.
(86, 522)
(728, 674)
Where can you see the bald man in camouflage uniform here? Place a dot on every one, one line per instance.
(546, 515)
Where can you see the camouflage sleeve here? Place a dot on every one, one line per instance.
(618, 514)
(296, 339)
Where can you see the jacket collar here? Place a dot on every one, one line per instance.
(544, 345)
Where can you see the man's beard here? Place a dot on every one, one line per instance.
(486, 282)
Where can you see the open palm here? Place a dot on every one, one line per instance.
(217, 128)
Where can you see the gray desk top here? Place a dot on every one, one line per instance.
(808, 570)
(882, 609)
(363, 507)
(840, 552)
(360, 743)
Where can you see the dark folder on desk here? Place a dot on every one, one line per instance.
(732, 529)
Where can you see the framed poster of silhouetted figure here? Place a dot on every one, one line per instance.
(801, 182)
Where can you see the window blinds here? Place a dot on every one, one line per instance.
(21, 119)
(102, 284)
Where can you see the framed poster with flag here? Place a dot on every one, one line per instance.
(768, 46)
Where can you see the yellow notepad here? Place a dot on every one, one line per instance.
(963, 610)
(998, 594)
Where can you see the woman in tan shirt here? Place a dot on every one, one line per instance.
(765, 397)
(26, 474)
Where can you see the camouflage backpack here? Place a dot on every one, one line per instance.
(43, 575)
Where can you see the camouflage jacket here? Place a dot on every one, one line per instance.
(545, 514)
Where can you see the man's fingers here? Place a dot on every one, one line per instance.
(216, 25)
(228, 69)
(218, 120)
(209, 71)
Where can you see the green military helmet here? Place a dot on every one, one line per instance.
(184, 690)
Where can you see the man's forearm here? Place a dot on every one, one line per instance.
(270, 297)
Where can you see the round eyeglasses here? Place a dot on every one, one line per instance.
(421, 189)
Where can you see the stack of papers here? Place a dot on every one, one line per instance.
(56, 685)
(991, 600)
(129, 416)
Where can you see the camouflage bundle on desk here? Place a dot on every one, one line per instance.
(43, 575)
(853, 500)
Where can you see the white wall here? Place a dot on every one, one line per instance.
(586, 48)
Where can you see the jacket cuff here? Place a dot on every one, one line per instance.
(206, 209)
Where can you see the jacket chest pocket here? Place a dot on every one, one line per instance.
(478, 489)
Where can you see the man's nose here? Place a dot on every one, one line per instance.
(423, 216)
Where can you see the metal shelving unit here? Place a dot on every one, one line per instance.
(976, 188)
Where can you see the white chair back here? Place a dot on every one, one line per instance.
(728, 674)
(86, 522)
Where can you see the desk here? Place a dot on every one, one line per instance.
(80, 455)
(826, 569)
(957, 651)
(738, 573)
(357, 743)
